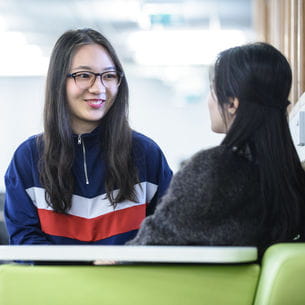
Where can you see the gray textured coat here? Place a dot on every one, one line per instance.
(213, 200)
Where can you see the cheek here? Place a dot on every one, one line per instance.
(110, 98)
(213, 109)
(217, 123)
(111, 94)
(210, 106)
(71, 91)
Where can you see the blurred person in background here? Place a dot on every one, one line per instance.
(88, 178)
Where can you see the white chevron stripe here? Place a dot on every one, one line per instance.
(96, 206)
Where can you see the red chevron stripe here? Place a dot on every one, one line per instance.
(93, 229)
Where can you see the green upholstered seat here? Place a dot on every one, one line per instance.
(154, 284)
(282, 280)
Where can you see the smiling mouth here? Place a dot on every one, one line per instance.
(95, 103)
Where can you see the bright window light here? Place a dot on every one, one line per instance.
(182, 47)
(17, 57)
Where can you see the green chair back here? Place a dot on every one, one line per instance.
(282, 280)
(150, 284)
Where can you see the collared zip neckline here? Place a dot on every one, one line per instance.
(80, 141)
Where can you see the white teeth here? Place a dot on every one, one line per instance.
(96, 102)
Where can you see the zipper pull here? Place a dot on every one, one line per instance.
(79, 140)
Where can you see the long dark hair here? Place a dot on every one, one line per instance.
(259, 76)
(55, 165)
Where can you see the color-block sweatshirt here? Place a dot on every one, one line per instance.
(91, 219)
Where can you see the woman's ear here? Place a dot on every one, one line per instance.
(233, 105)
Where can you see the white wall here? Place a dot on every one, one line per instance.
(179, 126)
(21, 104)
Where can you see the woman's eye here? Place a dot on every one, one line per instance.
(110, 76)
(83, 75)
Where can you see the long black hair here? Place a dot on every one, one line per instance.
(260, 77)
(55, 165)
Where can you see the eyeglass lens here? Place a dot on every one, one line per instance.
(85, 80)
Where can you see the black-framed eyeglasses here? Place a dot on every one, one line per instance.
(86, 79)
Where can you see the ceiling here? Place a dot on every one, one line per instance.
(41, 22)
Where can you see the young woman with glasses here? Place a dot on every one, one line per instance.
(250, 190)
(88, 178)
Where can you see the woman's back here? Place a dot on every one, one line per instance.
(215, 199)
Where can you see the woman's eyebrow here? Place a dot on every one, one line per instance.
(82, 67)
(110, 68)
(90, 69)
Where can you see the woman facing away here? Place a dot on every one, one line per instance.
(88, 178)
(250, 190)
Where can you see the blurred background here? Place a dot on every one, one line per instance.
(166, 47)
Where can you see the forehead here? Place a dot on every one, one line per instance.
(93, 57)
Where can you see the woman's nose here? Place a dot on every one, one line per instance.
(97, 86)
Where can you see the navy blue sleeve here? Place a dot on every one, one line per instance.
(20, 213)
(163, 180)
(153, 167)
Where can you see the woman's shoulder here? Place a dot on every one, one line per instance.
(27, 147)
(29, 143)
(207, 156)
(218, 159)
(140, 137)
(140, 141)
(24, 158)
